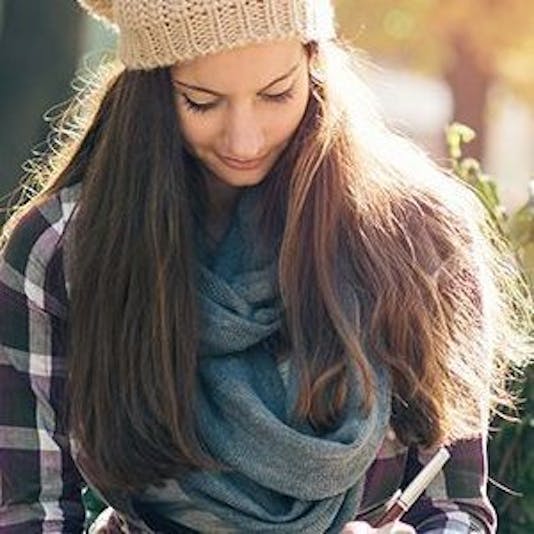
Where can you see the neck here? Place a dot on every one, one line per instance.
(221, 202)
(221, 196)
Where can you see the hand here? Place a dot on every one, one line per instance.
(361, 527)
(107, 522)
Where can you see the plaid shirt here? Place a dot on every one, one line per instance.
(40, 483)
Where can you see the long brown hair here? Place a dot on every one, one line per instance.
(442, 300)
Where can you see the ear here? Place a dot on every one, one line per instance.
(312, 50)
(314, 64)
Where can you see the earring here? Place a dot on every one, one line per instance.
(317, 74)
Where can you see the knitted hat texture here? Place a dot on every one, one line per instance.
(159, 33)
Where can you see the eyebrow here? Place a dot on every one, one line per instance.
(215, 93)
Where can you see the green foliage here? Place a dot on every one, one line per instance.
(521, 229)
(511, 449)
(470, 171)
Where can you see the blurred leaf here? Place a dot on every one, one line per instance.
(421, 32)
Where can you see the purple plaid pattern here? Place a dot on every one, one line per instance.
(39, 482)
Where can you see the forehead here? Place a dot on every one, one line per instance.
(248, 67)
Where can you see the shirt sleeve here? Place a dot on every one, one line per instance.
(40, 487)
(456, 501)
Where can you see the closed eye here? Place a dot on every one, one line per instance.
(203, 108)
(281, 97)
(198, 108)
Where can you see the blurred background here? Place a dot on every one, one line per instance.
(437, 61)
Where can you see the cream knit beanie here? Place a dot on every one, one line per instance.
(158, 33)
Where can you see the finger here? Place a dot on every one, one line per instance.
(396, 528)
(357, 527)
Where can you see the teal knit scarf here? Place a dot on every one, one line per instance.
(285, 478)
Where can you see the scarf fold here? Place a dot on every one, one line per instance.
(284, 477)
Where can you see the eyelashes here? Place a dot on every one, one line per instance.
(204, 108)
(282, 97)
(197, 108)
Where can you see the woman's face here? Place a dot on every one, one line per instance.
(238, 109)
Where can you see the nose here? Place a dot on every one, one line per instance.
(243, 136)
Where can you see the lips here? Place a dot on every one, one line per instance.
(242, 165)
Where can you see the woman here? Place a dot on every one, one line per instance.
(240, 303)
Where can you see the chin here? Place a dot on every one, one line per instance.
(241, 178)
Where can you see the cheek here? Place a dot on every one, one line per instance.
(290, 118)
(198, 132)
(284, 119)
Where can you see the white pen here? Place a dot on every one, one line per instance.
(416, 487)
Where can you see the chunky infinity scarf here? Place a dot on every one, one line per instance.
(285, 478)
